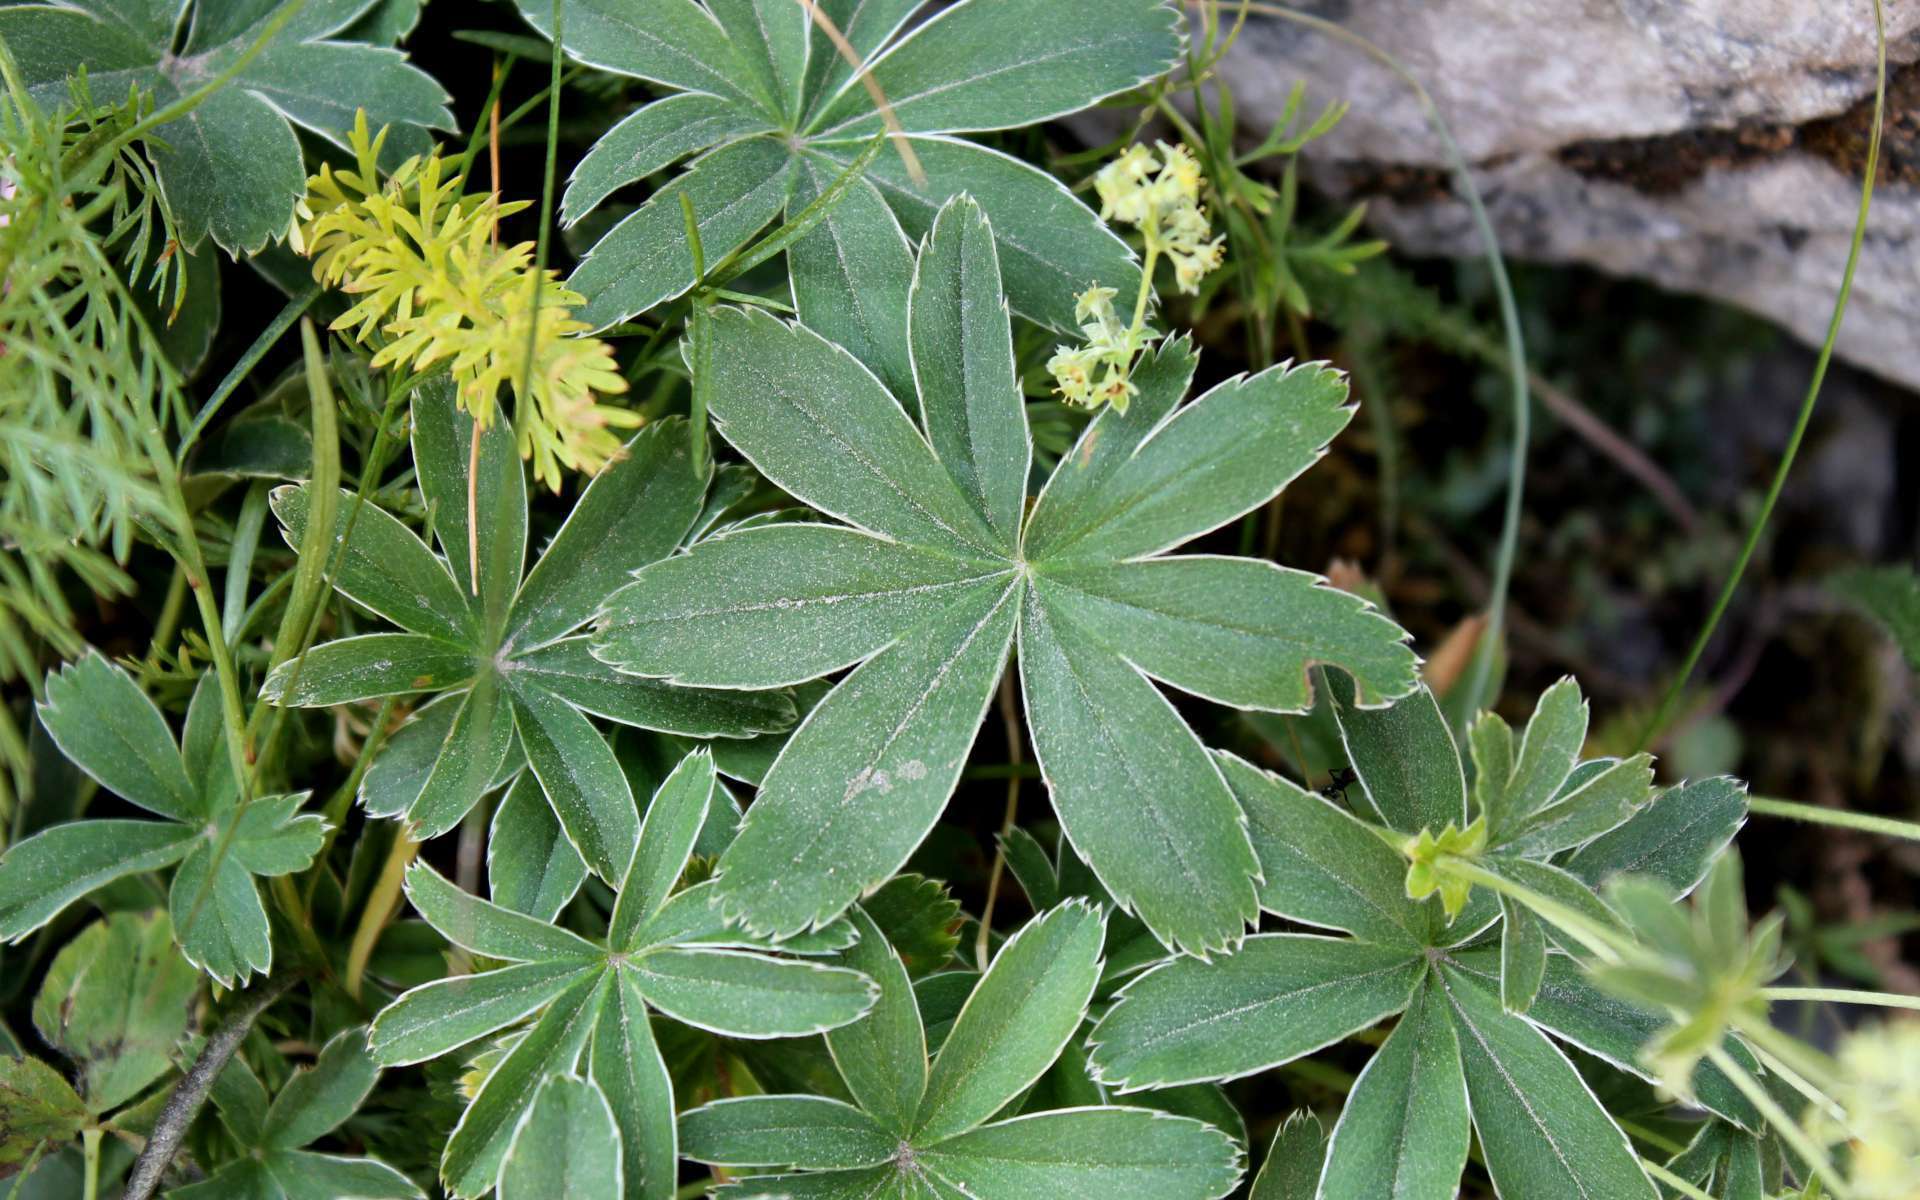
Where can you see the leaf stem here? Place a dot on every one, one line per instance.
(1668, 702)
(1016, 756)
(1673, 1181)
(1840, 817)
(1818, 995)
(90, 1155)
(381, 903)
(184, 1102)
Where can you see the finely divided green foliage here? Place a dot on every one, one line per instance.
(313, 1103)
(1478, 1016)
(496, 647)
(928, 1130)
(661, 950)
(936, 575)
(774, 112)
(232, 166)
(107, 726)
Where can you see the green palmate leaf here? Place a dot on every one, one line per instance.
(1523, 955)
(809, 598)
(770, 38)
(448, 1013)
(851, 274)
(962, 353)
(1600, 803)
(1546, 756)
(751, 995)
(1404, 1130)
(1674, 839)
(467, 760)
(1320, 866)
(1724, 1161)
(626, 1066)
(1490, 741)
(566, 1147)
(567, 669)
(927, 589)
(671, 42)
(1051, 246)
(959, 71)
(1231, 630)
(1570, 1007)
(531, 866)
(1177, 851)
(883, 1056)
(851, 797)
(919, 917)
(1408, 768)
(317, 1101)
(673, 824)
(38, 1109)
(1130, 1154)
(487, 929)
(303, 1175)
(107, 727)
(116, 1001)
(582, 779)
(1279, 997)
(470, 1164)
(735, 191)
(806, 1132)
(232, 166)
(1294, 1160)
(1252, 435)
(384, 566)
(1541, 1130)
(443, 459)
(50, 870)
(373, 664)
(1556, 885)
(652, 139)
(1031, 1000)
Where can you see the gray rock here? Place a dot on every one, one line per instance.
(1711, 146)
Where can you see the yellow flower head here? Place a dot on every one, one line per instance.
(434, 287)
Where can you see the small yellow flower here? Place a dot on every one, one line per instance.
(1880, 1093)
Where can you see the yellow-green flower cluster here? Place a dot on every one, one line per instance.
(1879, 1091)
(1161, 198)
(423, 260)
(1097, 373)
(1426, 874)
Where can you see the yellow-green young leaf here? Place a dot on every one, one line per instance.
(38, 1110)
(1031, 1000)
(1279, 997)
(566, 1147)
(1121, 1153)
(1294, 1159)
(627, 1067)
(116, 1001)
(1404, 756)
(1542, 1132)
(1321, 866)
(470, 1164)
(1403, 1131)
(812, 1133)
(851, 273)
(882, 1056)
(231, 166)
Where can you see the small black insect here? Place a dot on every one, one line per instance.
(1338, 782)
